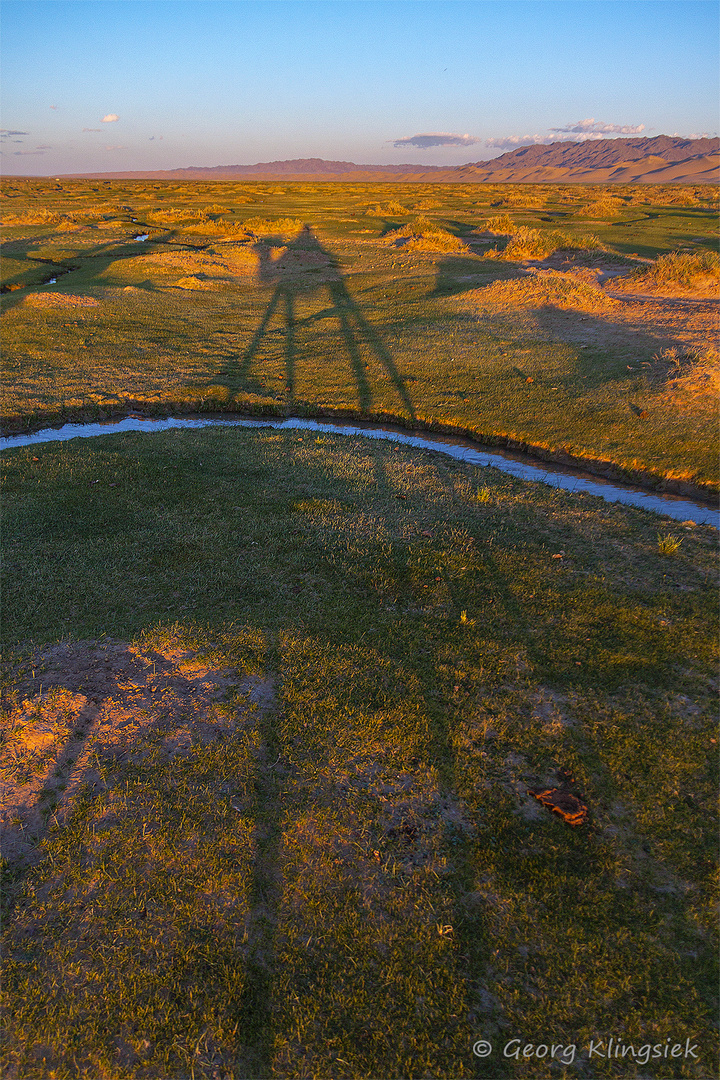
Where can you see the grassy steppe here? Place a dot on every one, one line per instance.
(484, 309)
(282, 751)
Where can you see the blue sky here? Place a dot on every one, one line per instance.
(109, 85)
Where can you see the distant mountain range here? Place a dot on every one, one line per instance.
(663, 159)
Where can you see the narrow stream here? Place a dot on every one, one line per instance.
(557, 476)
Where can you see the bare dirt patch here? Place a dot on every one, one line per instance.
(107, 701)
(59, 300)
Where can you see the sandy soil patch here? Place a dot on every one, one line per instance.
(96, 701)
(703, 289)
(59, 300)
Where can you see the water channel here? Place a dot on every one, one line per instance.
(522, 468)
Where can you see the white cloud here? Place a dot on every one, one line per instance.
(110, 118)
(439, 138)
(513, 141)
(591, 126)
(589, 130)
(27, 153)
(6, 134)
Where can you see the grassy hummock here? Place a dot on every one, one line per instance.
(371, 300)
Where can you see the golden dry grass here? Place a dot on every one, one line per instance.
(286, 226)
(32, 216)
(678, 272)
(693, 385)
(542, 289)
(422, 234)
(59, 300)
(500, 225)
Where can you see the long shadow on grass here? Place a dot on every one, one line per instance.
(473, 945)
(255, 1006)
(304, 265)
(609, 348)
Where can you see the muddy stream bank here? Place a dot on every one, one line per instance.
(522, 467)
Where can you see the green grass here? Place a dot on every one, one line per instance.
(228, 307)
(354, 881)
(350, 878)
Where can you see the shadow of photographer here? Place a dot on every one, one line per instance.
(304, 265)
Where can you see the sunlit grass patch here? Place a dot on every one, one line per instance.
(686, 269)
(528, 243)
(539, 290)
(286, 226)
(59, 300)
(692, 382)
(501, 225)
(422, 234)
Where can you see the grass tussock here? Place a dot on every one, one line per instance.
(602, 208)
(287, 226)
(392, 208)
(544, 290)
(688, 270)
(520, 195)
(528, 243)
(692, 378)
(669, 544)
(422, 234)
(224, 262)
(168, 215)
(500, 225)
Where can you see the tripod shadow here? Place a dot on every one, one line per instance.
(304, 265)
